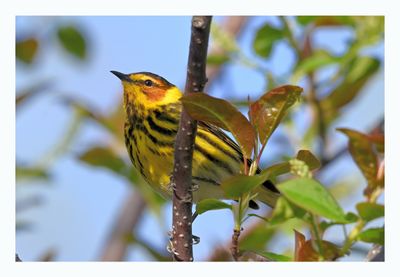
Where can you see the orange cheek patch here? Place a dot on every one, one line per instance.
(154, 94)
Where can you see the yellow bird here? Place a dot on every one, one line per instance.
(152, 108)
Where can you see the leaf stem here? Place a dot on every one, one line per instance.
(290, 36)
(317, 235)
(350, 239)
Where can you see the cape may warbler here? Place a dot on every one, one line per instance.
(152, 109)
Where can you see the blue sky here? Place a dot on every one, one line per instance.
(81, 203)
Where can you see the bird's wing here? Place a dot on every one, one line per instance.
(221, 135)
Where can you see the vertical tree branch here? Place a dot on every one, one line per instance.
(181, 237)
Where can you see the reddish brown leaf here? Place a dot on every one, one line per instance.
(299, 240)
(267, 112)
(361, 149)
(379, 141)
(221, 113)
(306, 251)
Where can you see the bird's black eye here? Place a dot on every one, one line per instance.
(148, 83)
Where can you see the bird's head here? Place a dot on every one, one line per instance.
(147, 90)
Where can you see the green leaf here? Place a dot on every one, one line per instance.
(369, 29)
(309, 158)
(29, 173)
(285, 167)
(26, 50)
(359, 72)
(275, 257)
(223, 39)
(373, 235)
(265, 39)
(72, 40)
(318, 60)
(217, 59)
(221, 113)
(275, 170)
(305, 20)
(313, 197)
(104, 157)
(267, 112)
(211, 204)
(256, 215)
(257, 238)
(370, 211)
(321, 21)
(284, 210)
(236, 186)
(350, 218)
(364, 156)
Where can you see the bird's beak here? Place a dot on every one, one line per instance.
(121, 76)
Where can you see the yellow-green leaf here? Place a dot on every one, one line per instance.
(309, 158)
(276, 170)
(325, 20)
(221, 113)
(217, 59)
(257, 238)
(211, 204)
(285, 210)
(238, 185)
(26, 50)
(104, 157)
(274, 257)
(373, 235)
(29, 173)
(312, 196)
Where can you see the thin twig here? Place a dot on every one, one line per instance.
(181, 237)
(232, 26)
(303, 53)
(376, 254)
(223, 253)
(116, 245)
(235, 244)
